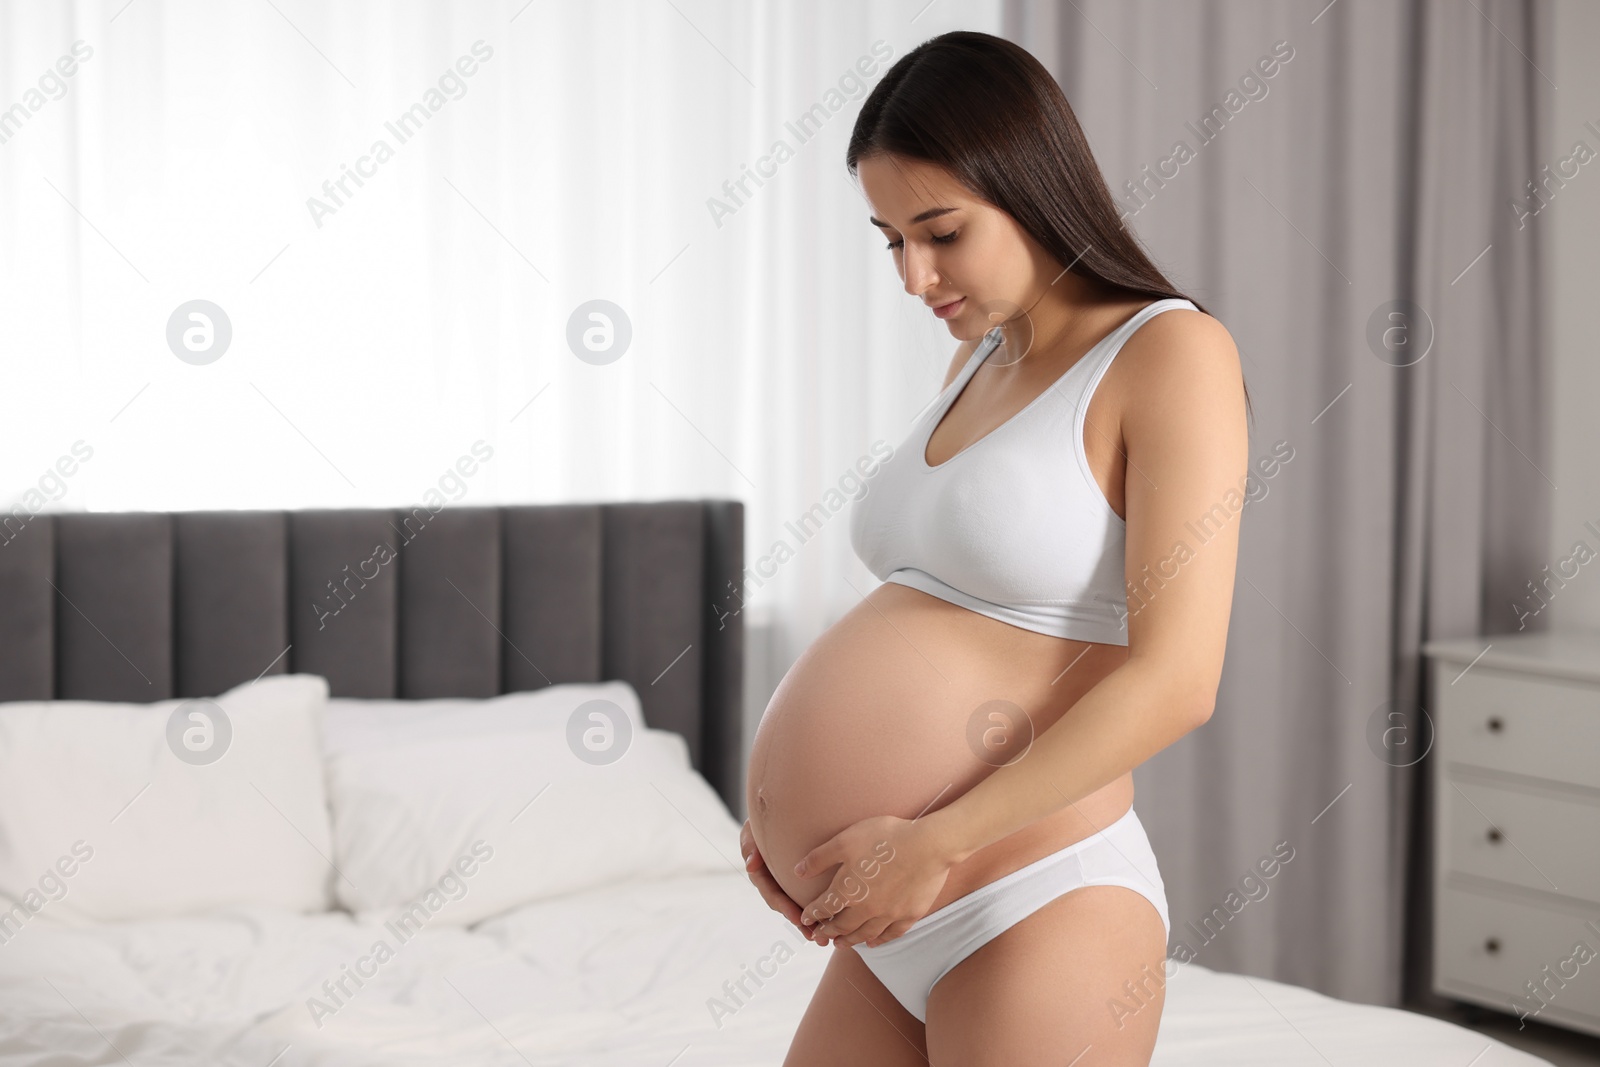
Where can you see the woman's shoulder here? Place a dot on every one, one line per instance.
(1177, 363)
(963, 353)
(1178, 344)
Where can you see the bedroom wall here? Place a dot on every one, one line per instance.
(1572, 270)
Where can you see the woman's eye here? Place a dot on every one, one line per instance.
(938, 239)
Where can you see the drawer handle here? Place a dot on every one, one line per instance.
(1495, 724)
(1492, 945)
(1494, 835)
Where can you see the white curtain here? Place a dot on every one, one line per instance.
(390, 305)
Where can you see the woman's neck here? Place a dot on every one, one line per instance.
(1065, 313)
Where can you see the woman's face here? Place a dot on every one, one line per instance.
(952, 248)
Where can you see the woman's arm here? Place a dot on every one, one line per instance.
(1186, 444)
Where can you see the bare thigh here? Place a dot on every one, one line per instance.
(1050, 990)
(853, 1020)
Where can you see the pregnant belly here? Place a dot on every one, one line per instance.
(899, 708)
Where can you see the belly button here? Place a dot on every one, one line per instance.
(761, 800)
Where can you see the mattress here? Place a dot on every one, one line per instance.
(693, 971)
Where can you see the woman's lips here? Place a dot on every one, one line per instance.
(944, 311)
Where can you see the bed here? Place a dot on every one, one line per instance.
(476, 604)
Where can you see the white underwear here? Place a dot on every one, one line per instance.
(909, 965)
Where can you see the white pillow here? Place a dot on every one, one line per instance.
(113, 811)
(352, 724)
(455, 831)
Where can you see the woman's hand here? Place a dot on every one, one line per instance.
(770, 890)
(890, 872)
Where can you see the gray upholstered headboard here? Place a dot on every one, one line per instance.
(467, 602)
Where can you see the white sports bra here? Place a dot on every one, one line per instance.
(1013, 526)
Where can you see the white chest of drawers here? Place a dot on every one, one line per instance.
(1516, 810)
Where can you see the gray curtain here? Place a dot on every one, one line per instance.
(1352, 219)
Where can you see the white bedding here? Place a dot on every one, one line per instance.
(616, 976)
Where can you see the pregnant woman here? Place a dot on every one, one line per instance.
(943, 781)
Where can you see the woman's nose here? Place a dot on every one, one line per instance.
(919, 273)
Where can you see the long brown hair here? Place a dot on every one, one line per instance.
(987, 111)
